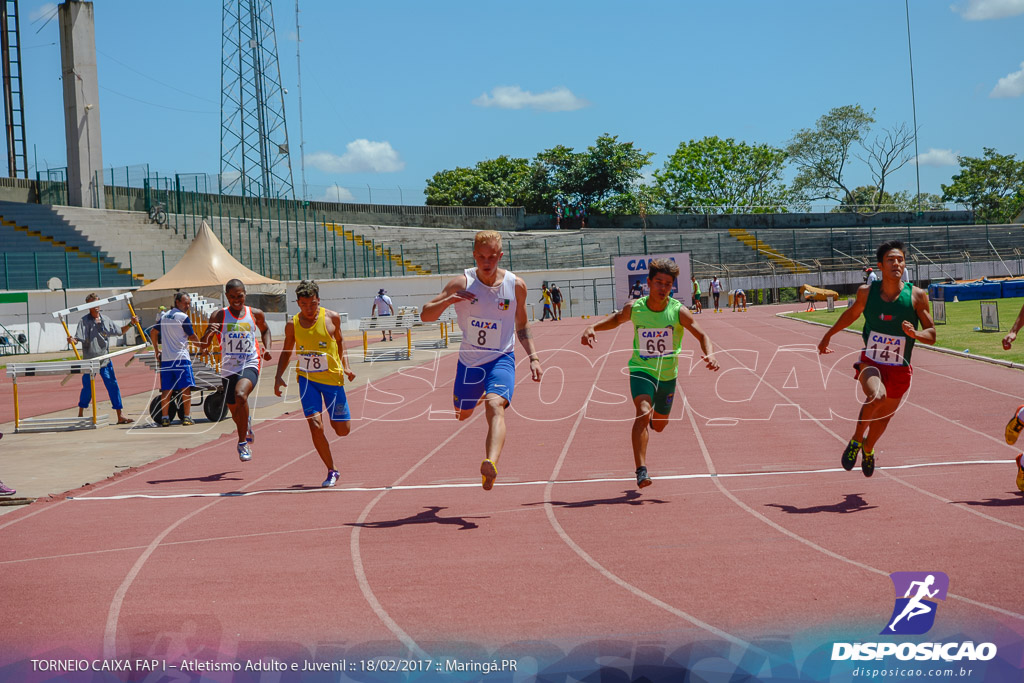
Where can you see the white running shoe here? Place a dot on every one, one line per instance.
(244, 452)
(332, 479)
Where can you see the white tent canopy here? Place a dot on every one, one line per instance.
(205, 268)
(207, 263)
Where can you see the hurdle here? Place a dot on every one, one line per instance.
(90, 366)
(126, 297)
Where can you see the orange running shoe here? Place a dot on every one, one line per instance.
(489, 472)
(1014, 426)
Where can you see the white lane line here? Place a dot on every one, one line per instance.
(357, 560)
(908, 402)
(149, 468)
(962, 506)
(356, 555)
(805, 541)
(598, 480)
(549, 511)
(926, 347)
(113, 615)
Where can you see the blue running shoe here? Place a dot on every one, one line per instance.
(249, 436)
(331, 480)
(244, 452)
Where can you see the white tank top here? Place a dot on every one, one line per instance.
(239, 343)
(488, 322)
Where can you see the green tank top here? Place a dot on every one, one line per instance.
(884, 339)
(657, 338)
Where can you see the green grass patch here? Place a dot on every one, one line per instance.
(962, 329)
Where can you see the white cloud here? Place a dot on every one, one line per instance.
(1010, 85)
(361, 156)
(938, 157)
(44, 11)
(337, 194)
(980, 10)
(514, 97)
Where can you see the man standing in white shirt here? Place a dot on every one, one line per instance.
(383, 307)
(174, 330)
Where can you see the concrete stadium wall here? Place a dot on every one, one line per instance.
(353, 296)
(762, 221)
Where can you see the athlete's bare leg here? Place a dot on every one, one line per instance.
(495, 414)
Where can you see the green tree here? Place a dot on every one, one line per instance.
(991, 185)
(606, 169)
(641, 200)
(869, 199)
(821, 154)
(712, 175)
(504, 181)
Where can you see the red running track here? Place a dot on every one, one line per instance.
(751, 535)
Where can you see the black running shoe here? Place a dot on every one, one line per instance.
(642, 480)
(867, 463)
(850, 455)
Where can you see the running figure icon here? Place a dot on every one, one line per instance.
(915, 607)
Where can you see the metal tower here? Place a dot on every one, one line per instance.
(14, 97)
(254, 156)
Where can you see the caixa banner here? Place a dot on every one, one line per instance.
(631, 276)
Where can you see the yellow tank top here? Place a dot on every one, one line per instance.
(317, 352)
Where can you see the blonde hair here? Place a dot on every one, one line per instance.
(487, 237)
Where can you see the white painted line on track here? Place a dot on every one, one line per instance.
(600, 480)
(806, 541)
(549, 510)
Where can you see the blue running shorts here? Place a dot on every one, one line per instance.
(495, 377)
(315, 396)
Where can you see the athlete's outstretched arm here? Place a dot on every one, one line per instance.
(261, 324)
(523, 330)
(609, 322)
(848, 317)
(927, 334)
(286, 356)
(1012, 336)
(212, 328)
(689, 324)
(453, 292)
(339, 339)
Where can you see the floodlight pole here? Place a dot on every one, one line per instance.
(913, 104)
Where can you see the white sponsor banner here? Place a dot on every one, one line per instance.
(990, 316)
(631, 277)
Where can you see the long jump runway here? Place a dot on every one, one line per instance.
(751, 555)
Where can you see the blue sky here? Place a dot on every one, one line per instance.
(393, 91)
